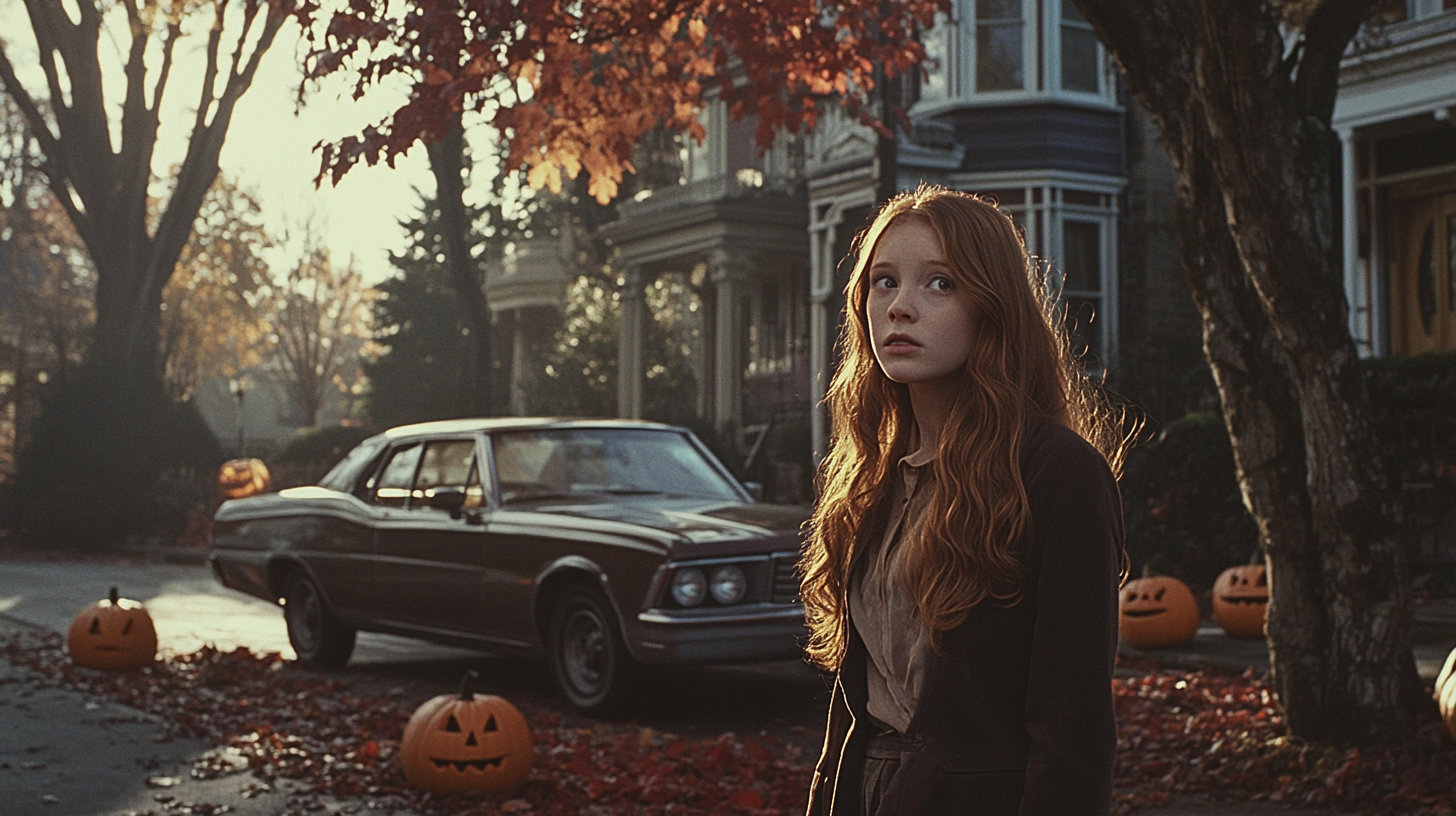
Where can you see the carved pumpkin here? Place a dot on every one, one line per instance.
(1446, 693)
(1157, 611)
(241, 478)
(113, 633)
(1241, 601)
(460, 742)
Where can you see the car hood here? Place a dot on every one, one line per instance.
(703, 527)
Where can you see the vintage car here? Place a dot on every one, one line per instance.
(604, 545)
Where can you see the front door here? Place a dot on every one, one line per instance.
(1423, 266)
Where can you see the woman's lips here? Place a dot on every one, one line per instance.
(900, 344)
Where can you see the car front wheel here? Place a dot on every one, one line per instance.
(315, 634)
(589, 660)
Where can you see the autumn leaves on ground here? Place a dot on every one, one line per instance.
(1201, 732)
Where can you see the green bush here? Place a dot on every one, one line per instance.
(328, 443)
(1181, 500)
(1184, 513)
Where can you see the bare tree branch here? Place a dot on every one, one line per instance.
(1326, 36)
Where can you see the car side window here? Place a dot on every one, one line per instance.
(392, 488)
(447, 463)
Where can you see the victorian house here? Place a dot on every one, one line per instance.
(1024, 106)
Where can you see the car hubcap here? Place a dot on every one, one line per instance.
(585, 652)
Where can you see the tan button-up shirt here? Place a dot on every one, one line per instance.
(896, 642)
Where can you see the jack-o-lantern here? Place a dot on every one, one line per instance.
(241, 478)
(465, 741)
(1241, 601)
(1446, 693)
(1157, 611)
(113, 633)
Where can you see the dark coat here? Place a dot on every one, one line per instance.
(1015, 715)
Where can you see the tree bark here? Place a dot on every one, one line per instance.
(1246, 122)
(447, 162)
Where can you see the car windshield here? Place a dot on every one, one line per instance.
(341, 477)
(568, 462)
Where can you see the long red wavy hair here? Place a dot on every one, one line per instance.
(1020, 368)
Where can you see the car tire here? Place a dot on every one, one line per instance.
(314, 632)
(589, 661)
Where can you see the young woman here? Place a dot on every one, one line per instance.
(963, 562)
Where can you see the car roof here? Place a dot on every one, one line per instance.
(464, 426)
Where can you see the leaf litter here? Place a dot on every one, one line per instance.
(1206, 734)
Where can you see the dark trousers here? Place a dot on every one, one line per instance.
(883, 756)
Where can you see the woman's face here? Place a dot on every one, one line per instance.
(922, 327)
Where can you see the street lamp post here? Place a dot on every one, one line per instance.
(239, 387)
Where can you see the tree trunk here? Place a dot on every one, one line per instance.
(1261, 413)
(447, 162)
(1246, 123)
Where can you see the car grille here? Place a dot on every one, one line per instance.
(785, 586)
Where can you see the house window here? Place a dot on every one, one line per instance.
(1069, 232)
(1079, 51)
(1000, 46)
(942, 64)
(1081, 266)
(774, 319)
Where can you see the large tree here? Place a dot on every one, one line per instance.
(1243, 94)
(573, 86)
(102, 436)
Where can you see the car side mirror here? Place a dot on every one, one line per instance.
(450, 499)
(755, 489)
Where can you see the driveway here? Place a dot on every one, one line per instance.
(190, 609)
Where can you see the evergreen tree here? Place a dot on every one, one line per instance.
(419, 374)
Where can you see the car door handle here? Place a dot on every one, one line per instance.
(474, 517)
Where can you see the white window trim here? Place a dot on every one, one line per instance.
(1054, 211)
(960, 67)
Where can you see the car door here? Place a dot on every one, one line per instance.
(429, 561)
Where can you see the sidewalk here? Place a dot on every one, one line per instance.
(1435, 637)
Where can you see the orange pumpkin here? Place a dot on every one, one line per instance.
(1241, 601)
(113, 633)
(460, 742)
(241, 478)
(1157, 611)
(1446, 693)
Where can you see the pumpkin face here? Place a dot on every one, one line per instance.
(241, 478)
(1446, 693)
(1241, 601)
(1156, 612)
(465, 741)
(115, 633)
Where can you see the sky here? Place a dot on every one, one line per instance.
(269, 151)
(269, 147)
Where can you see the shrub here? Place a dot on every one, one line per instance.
(310, 454)
(1185, 516)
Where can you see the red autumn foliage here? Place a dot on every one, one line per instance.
(573, 86)
(1202, 733)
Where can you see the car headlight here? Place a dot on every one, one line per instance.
(728, 584)
(689, 586)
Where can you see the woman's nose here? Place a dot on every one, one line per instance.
(901, 308)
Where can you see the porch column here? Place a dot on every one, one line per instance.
(1359, 316)
(821, 288)
(629, 346)
(728, 270)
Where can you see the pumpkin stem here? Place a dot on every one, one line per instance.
(1147, 570)
(1258, 557)
(115, 596)
(467, 685)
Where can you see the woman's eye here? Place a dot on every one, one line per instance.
(942, 285)
(884, 282)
